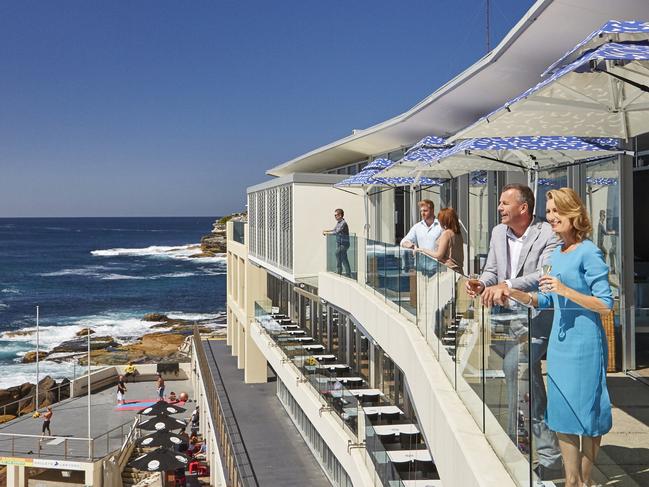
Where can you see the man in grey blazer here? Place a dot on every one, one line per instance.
(519, 246)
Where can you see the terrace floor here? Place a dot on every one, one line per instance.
(70, 421)
(277, 451)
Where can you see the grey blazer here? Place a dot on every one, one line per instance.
(538, 246)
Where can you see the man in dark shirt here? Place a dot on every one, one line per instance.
(341, 231)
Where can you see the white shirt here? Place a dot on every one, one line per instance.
(515, 245)
(424, 236)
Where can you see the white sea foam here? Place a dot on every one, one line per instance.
(179, 315)
(122, 326)
(10, 290)
(179, 252)
(90, 271)
(16, 374)
(117, 277)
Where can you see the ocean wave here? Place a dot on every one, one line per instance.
(91, 271)
(117, 277)
(179, 252)
(179, 315)
(10, 290)
(17, 374)
(122, 326)
(4, 306)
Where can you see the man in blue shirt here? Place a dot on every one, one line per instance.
(341, 231)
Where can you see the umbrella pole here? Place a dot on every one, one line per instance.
(366, 204)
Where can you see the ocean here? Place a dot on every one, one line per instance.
(102, 273)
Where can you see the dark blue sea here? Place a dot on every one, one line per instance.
(104, 273)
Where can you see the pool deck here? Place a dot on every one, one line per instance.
(70, 424)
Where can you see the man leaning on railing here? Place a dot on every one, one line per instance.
(341, 231)
(518, 248)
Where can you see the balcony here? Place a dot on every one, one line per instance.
(282, 212)
(396, 452)
(485, 354)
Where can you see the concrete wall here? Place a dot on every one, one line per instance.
(246, 283)
(313, 212)
(462, 454)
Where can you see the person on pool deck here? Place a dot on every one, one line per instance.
(47, 420)
(121, 390)
(160, 385)
(579, 291)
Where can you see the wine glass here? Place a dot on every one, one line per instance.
(545, 271)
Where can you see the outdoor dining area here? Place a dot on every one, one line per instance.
(169, 449)
(393, 440)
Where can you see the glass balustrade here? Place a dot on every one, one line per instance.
(484, 352)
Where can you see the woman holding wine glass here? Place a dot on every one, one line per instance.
(576, 286)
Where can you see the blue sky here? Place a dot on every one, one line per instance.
(167, 108)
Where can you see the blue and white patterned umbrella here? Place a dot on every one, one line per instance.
(429, 142)
(368, 177)
(620, 31)
(518, 154)
(407, 166)
(604, 93)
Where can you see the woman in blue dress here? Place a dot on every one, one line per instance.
(578, 290)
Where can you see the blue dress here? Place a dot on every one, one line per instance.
(578, 400)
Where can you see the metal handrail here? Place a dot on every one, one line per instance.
(26, 399)
(66, 439)
(241, 473)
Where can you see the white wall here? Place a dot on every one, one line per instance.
(313, 212)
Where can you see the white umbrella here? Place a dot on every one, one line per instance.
(604, 93)
(528, 154)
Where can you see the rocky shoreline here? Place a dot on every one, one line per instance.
(215, 242)
(167, 340)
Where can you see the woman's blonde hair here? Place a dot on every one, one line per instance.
(569, 204)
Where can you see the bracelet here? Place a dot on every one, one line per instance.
(531, 299)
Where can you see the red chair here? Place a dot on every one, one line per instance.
(196, 467)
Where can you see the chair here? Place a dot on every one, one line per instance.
(197, 467)
(387, 439)
(390, 417)
(370, 400)
(409, 440)
(372, 417)
(427, 467)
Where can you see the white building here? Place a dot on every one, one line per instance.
(416, 342)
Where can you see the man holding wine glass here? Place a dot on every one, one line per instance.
(519, 247)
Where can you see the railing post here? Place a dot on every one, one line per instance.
(65, 449)
(13, 445)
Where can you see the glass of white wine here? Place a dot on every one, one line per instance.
(545, 271)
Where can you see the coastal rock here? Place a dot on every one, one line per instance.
(152, 347)
(155, 317)
(47, 395)
(81, 344)
(30, 357)
(85, 332)
(19, 333)
(215, 243)
(18, 401)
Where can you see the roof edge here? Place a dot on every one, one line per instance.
(528, 19)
